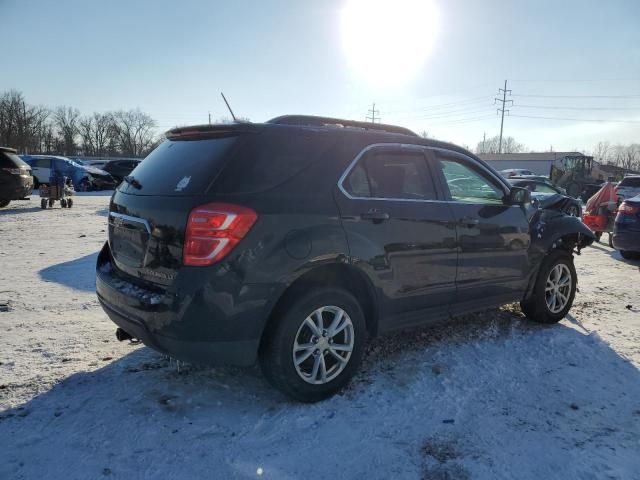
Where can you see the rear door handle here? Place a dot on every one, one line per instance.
(469, 221)
(375, 216)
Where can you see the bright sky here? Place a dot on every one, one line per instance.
(433, 65)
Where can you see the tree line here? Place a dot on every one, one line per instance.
(65, 131)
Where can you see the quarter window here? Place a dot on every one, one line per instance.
(392, 175)
(467, 185)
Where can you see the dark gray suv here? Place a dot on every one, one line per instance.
(294, 241)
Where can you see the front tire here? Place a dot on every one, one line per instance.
(315, 344)
(4, 203)
(626, 254)
(554, 290)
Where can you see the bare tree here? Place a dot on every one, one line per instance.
(601, 152)
(21, 124)
(134, 131)
(491, 145)
(67, 121)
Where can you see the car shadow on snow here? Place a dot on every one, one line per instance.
(615, 254)
(489, 388)
(79, 273)
(17, 211)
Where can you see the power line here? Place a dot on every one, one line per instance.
(465, 120)
(577, 96)
(555, 107)
(600, 120)
(504, 102)
(453, 113)
(444, 105)
(371, 114)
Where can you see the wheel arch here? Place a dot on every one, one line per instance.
(340, 275)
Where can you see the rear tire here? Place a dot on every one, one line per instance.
(598, 236)
(630, 255)
(4, 203)
(43, 203)
(302, 360)
(69, 203)
(554, 289)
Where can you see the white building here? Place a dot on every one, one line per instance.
(538, 163)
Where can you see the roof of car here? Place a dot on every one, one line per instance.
(378, 132)
(58, 157)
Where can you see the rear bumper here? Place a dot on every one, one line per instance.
(17, 189)
(626, 241)
(241, 352)
(187, 321)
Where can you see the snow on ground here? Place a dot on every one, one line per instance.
(489, 397)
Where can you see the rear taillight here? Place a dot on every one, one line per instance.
(627, 209)
(213, 230)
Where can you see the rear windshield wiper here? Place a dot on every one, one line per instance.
(132, 181)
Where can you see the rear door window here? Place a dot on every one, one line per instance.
(42, 163)
(180, 167)
(633, 182)
(391, 174)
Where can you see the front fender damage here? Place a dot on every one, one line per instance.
(553, 229)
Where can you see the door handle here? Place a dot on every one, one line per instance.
(469, 221)
(375, 215)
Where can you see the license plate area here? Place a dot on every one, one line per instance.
(129, 237)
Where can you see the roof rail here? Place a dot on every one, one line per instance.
(8, 150)
(310, 120)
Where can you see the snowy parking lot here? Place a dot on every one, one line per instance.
(490, 396)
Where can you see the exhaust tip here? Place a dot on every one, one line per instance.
(121, 335)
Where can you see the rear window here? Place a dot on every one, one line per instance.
(633, 182)
(180, 167)
(11, 160)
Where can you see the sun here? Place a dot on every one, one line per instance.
(388, 41)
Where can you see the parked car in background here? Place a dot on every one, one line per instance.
(294, 241)
(543, 191)
(628, 187)
(539, 178)
(515, 172)
(15, 177)
(119, 169)
(91, 163)
(626, 229)
(82, 176)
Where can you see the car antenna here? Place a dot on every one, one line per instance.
(225, 101)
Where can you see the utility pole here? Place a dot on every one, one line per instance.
(504, 102)
(371, 114)
(484, 139)
(209, 118)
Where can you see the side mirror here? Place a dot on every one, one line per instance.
(519, 196)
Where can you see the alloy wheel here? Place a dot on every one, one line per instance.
(323, 345)
(558, 288)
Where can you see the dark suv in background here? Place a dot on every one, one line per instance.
(16, 181)
(294, 241)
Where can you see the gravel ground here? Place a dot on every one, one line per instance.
(489, 396)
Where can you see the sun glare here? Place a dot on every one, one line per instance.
(388, 41)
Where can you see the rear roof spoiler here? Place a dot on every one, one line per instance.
(210, 130)
(312, 121)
